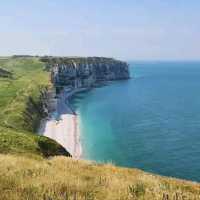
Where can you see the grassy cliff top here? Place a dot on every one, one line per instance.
(28, 78)
(63, 178)
(27, 81)
(67, 60)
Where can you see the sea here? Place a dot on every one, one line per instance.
(150, 122)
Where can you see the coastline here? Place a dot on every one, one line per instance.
(62, 124)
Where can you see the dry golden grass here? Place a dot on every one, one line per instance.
(62, 178)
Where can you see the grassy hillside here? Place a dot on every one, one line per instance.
(20, 103)
(27, 174)
(63, 178)
(28, 79)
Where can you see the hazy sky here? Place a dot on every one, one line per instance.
(126, 29)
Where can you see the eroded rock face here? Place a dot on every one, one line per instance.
(85, 72)
(4, 73)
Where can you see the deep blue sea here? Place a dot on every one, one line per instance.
(151, 121)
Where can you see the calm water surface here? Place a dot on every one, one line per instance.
(151, 121)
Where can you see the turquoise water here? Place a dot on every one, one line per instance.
(151, 121)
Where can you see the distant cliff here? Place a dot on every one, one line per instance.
(85, 72)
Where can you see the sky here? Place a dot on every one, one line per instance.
(124, 29)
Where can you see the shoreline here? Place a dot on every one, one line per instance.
(62, 124)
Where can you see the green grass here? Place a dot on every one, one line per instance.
(28, 79)
(28, 144)
(17, 131)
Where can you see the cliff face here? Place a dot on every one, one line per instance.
(5, 74)
(35, 110)
(86, 72)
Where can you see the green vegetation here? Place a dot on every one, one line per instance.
(26, 174)
(21, 108)
(29, 79)
(79, 60)
(52, 60)
(27, 144)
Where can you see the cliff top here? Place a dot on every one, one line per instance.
(60, 60)
(63, 178)
(16, 130)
